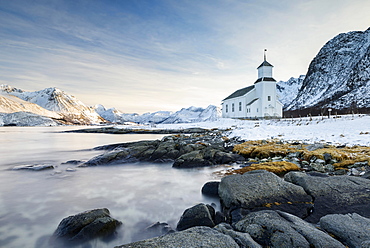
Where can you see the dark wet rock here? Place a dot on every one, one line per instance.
(327, 158)
(219, 218)
(352, 229)
(211, 188)
(200, 236)
(366, 175)
(73, 162)
(34, 167)
(145, 231)
(334, 195)
(198, 215)
(185, 151)
(191, 159)
(260, 190)
(244, 240)
(279, 229)
(86, 226)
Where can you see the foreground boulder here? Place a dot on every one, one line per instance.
(198, 215)
(85, 226)
(261, 190)
(211, 188)
(241, 238)
(201, 236)
(352, 229)
(334, 195)
(279, 229)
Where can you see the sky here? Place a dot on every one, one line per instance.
(149, 55)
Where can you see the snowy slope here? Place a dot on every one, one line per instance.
(53, 99)
(339, 76)
(26, 119)
(11, 104)
(287, 91)
(193, 114)
(185, 115)
(346, 129)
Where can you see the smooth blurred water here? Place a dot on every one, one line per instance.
(32, 203)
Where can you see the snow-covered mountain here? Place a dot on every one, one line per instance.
(26, 119)
(338, 77)
(12, 104)
(185, 115)
(288, 90)
(194, 114)
(52, 106)
(67, 107)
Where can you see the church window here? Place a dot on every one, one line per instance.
(232, 107)
(257, 110)
(227, 108)
(268, 98)
(240, 106)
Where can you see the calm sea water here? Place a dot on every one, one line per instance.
(32, 203)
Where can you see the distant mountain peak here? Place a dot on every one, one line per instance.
(53, 99)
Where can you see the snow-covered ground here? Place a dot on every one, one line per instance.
(346, 129)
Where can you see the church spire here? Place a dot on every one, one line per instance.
(264, 54)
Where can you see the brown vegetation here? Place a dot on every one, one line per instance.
(342, 157)
(278, 168)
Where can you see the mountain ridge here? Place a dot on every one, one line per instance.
(53, 106)
(338, 78)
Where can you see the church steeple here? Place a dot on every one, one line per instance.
(265, 69)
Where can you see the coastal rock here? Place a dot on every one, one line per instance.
(185, 151)
(244, 240)
(211, 188)
(191, 159)
(86, 226)
(34, 167)
(334, 195)
(199, 236)
(279, 229)
(260, 190)
(352, 229)
(198, 215)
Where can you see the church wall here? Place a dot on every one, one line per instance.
(234, 108)
(267, 94)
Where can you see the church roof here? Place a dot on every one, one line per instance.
(265, 63)
(240, 92)
(251, 102)
(270, 79)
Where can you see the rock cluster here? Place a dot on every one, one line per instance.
(195, 150)
(261, 209)
(305, 196)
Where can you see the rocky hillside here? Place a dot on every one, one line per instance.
(287, 91)
(65, 107)
(338, 77)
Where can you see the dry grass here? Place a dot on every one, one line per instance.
(278, 168)
(266, 149)
(263, 149)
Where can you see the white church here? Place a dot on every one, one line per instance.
(255, 101)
